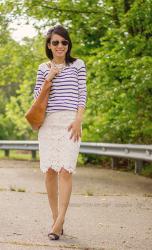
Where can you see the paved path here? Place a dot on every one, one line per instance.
(109, 210)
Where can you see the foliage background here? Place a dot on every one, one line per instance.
(114, 38)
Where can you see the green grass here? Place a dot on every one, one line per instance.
(26, 155)
(89, 193)
(18, 155)
(15, 189)
(147, 170)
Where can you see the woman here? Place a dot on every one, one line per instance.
(60, 134)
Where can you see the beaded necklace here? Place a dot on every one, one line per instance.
(60, 66)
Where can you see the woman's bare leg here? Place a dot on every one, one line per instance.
(51, 182)
(65, 189)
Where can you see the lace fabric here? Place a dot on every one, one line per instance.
(56, 150)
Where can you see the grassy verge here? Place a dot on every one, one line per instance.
(18, 155)
(147, 170)
(26, 155)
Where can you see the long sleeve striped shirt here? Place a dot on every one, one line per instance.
(68, 90)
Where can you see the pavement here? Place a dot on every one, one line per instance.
(108, 210)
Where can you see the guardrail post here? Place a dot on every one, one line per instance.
(7, 152)
(114, 162)
(33, 154)
(138, 166)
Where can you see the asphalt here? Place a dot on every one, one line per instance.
(108, 209)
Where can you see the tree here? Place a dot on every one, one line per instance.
(114, 39)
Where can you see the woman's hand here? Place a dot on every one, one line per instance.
(53, 71)
(76, 129)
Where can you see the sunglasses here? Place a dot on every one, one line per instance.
(56, 42)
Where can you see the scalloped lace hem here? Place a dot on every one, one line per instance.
(58, 169)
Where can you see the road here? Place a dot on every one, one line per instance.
(108, 210)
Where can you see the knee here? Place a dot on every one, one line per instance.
(50, 174)
(65, 174)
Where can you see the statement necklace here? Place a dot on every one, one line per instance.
(59, 66)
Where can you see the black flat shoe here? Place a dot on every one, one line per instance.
(53, 236)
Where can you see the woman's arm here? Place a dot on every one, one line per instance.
(79, 115)
(82, 95)
(82, 88)
(39, 81)
(43, 84)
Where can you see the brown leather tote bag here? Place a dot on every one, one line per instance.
(36, 114)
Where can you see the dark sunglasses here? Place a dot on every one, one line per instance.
(56, 42)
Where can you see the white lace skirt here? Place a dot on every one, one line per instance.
(56, 150)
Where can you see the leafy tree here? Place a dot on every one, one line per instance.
(114, 39)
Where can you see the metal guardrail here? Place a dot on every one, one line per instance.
(139, 153)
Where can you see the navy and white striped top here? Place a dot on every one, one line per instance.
(68, 90)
